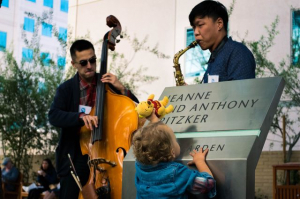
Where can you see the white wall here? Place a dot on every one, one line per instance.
(165, 22)
(141, 18)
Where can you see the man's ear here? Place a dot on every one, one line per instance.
(220, 23)
(73, 64)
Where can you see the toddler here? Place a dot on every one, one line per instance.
(157, 175)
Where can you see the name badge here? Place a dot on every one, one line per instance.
(213, 78)
(85, 109)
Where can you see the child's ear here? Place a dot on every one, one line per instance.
(173, 152)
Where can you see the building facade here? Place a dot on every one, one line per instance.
(19, 17)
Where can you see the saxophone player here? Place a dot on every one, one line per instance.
(229, 60)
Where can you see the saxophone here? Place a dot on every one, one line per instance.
(178, 74)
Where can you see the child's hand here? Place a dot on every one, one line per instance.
(153, 118)
(199, 160)
(198, 156)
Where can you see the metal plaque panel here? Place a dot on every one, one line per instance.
(233, 105)
(231, 119)
(227, 159)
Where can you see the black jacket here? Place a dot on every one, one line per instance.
(64, 114)
(50, 178)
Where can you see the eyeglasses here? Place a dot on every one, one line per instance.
(83, 63)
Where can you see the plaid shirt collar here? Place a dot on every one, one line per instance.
(84, 85)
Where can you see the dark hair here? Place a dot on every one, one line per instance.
(80, 45)
(50, 165)
(211, 9)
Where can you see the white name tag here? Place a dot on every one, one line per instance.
(213, 78)
(85, 109)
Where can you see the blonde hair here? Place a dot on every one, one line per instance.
(152, 144)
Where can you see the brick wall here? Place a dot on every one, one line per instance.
(264, 171)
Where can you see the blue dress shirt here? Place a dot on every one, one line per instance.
(231, 60)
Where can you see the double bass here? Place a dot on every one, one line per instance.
(108, 144)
